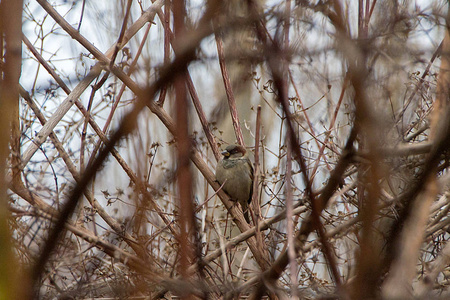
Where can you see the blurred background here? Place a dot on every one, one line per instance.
(343, 105)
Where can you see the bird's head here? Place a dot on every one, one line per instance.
(234, 151)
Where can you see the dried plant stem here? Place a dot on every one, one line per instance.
(13, 284)
(95, 71)
(194, 95)
(403, 267)
(109, 220)
(229, 91)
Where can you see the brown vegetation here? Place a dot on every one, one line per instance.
(109, 189)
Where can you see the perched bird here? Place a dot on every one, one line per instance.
(235, 169)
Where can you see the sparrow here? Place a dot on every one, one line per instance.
(236, 171)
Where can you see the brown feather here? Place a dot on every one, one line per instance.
(236, 170)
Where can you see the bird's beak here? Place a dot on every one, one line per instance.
(225, 153)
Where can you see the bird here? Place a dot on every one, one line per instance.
(235, 172)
